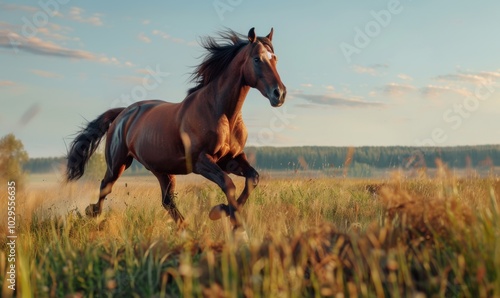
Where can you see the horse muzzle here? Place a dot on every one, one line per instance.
(277, 96)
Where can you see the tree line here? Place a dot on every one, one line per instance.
(324, 158)
(317, 158)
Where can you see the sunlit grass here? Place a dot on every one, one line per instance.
(307, 237)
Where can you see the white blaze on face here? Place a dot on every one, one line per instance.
(269, 53)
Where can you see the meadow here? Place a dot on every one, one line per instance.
(433, 236)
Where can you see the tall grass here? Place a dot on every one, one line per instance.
(435, 237)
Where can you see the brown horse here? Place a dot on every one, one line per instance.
(204, 133)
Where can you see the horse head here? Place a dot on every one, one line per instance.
(259, 70)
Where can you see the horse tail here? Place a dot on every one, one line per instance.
(86, 143)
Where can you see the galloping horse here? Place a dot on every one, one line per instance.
(203, 134)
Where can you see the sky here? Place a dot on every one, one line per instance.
(358, 73)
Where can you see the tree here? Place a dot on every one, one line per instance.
(12, 158)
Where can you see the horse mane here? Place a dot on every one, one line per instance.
(221, 51)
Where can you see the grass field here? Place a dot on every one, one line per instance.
(321, 237)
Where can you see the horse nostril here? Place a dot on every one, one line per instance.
(277, 92)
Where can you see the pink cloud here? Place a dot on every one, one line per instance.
(395, 89)
(7, 83)
(38, 46)
(45, 74)
(76, 14)
(142, 37)
(434, 91)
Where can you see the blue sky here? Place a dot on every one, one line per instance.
(357, 72)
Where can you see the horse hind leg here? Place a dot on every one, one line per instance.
(112, 174)
(167, 184)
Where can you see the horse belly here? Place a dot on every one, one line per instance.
(157, 145)
(161, 159)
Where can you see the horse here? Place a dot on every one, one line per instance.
(204, 134)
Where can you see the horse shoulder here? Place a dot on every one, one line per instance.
(239, 132)
(238, 137)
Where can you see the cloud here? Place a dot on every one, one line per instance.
(489, 75)
(52, 33)
(76, 14)
(379, 66)
(108, 60)
(364, 70)
(455, 82)
(373, 69)
(135, 79)
(131, 80)
(161, 34)
(7, 83)
(17, 7)
(405, 77)
(45, 74)
(174, 39)
(8, 26)
(337, 100)
(395, 89)
(477, 78)
(142, 71)
(308, 85)
(462, 77)
(434, 91)
(38, 46)
(142, 37)
(146, 22)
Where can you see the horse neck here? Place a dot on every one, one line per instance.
(230, 92)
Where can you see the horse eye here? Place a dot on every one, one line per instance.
(256, 59)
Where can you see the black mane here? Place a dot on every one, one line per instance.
(221, 52)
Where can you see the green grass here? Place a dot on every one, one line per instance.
(307, 237)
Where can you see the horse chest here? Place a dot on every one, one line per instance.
(228, 137)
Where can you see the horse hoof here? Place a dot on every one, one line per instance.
(255, 180)
(92, 210)
(218, 211)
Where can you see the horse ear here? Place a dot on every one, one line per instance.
(251, 35)
(270, 35)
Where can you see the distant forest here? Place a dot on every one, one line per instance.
(325, 158)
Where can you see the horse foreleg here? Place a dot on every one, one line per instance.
(208, 168)
(241, 167)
